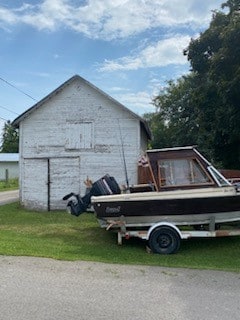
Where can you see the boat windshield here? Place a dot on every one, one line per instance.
(179, 172)
(218, 177)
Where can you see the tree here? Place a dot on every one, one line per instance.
(176, 120)
(203, 107)
(160, 132)
(215, 60)
(10, 140)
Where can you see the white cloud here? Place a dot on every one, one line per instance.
(163, 53)
(139, 102)
(117, 89)
(7, 17)
(110, 19)
(40, 74)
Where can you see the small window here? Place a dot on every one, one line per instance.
(181, 172)
(79, 135)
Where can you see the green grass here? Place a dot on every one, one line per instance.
(11, 184)
(61, 236)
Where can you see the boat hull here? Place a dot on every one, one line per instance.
(180, 208)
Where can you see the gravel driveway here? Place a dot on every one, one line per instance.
(44, 289)
(9, 196)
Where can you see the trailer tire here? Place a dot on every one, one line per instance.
(164, 240)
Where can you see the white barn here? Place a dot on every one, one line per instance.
(74, 133)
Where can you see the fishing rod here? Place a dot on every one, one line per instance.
(124, 158)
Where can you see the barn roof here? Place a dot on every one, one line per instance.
(28, 112)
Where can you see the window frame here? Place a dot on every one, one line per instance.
(190, 161)
(77, 137)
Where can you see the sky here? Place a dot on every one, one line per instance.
(127, 48)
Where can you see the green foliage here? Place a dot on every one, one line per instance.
(176, 121)
(61, 236)
(11, 184)
(10, 140)
(202, 108)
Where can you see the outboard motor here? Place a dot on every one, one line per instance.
(76, 205)
(105, 186)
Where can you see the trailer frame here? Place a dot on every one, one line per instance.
(166, 231)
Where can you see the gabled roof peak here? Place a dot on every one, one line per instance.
(25, 114)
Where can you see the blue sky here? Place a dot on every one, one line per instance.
(127, 48)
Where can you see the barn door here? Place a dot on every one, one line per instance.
(64, 174)
(34, 184)
(46, 181)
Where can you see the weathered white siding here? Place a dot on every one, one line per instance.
(34, 183)
(46, 181)
(77, 133)
(64, 173)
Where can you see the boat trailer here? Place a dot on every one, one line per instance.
(165, 238)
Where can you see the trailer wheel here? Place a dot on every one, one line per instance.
(164, 240)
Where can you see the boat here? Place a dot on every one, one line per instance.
(181, 196)
(186, 189)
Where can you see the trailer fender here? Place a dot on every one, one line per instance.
(163, 224)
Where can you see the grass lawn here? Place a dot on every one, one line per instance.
(11, 184)
(61, 236)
